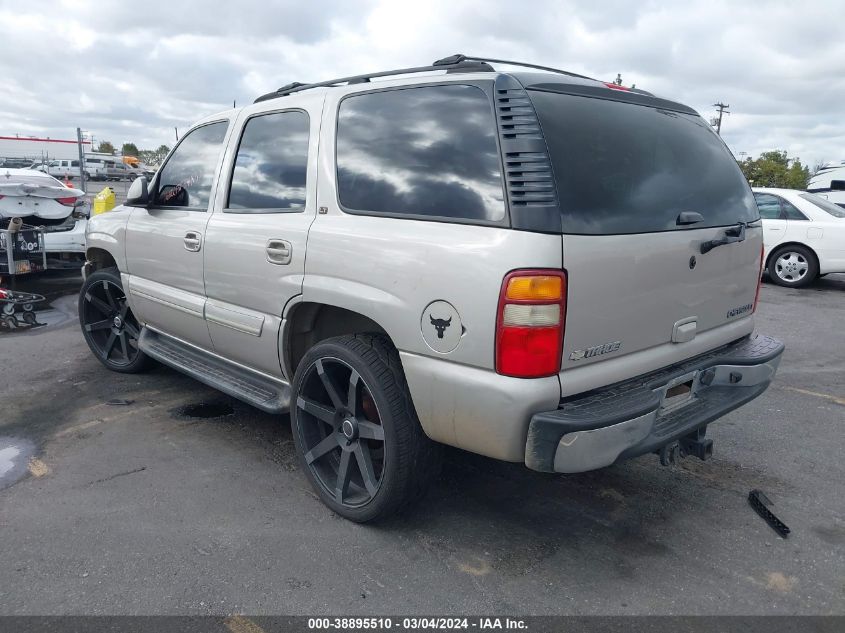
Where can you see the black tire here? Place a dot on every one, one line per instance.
(793, 266)
(108, 325)
(370, 400)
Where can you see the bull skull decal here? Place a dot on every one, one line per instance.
(440, 325)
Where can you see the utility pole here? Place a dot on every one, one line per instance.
(717, 121)
(81, 160)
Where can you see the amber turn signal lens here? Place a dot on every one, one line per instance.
(535, 288)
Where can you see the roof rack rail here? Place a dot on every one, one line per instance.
(453, 63)
(459, 58)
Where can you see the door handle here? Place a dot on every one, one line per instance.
(279, 252)
(193, 241)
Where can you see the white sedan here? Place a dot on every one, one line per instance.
(803, 234)
(41, 200)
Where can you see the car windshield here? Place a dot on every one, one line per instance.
(623, 168)
(825, 205)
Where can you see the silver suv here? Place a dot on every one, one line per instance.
(534, 266)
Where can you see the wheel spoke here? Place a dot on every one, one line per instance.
(329, 387)
(371, 431)
(317, 410)
(365, 464)
(98, 325)
(326, 446)
(99, 304)
(343, 473)
(109, 345)
(109, 298)
(123, 346)
(132, 330)
(352, 397)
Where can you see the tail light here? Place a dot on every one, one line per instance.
(530, 323)
(759, 279)
(68, 202)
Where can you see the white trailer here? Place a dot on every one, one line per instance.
(829, 182)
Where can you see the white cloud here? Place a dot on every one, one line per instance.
(132, 73)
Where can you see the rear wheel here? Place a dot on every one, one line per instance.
(356, 432)
(109, 327)
(793, 266)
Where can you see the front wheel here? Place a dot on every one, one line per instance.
(356, 432)
(793, 266)
(107, 322)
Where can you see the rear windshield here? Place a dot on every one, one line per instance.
(623, 168)
(825, 205)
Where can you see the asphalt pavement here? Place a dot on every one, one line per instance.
(131, 507)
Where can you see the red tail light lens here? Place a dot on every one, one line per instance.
(530, 323)
(68, 202)
(759, 280)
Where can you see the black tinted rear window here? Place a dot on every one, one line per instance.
(420, 152)
(623, 168)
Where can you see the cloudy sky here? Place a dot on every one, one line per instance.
(131, 71)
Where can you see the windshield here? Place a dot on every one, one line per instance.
(825, 205)
(623, 168)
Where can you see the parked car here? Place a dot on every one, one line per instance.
(117, 170)
(534, 266)
(804, 235)
(95, 168)
(15, 163)
(41, 200)
(61, 169)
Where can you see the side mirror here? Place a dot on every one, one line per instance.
(138, 194)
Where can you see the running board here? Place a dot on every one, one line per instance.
(262, 392)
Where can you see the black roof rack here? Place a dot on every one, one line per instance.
(453, 63)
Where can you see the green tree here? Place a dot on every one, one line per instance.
(130, 149)
(106, 147)
(775, 169)
(154, 156)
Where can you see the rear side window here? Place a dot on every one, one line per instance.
(623, 168)
(271, 164)
(185, 180)
(427, 152)
(825, 205)
(792, 212)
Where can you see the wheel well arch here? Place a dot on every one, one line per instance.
(308, 323)
(793, 243)
(99, 258)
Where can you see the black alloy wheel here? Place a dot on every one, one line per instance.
(107, 322)
(356, 431)
(341, 432)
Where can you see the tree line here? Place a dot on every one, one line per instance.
(147, 156)
(775, 169)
